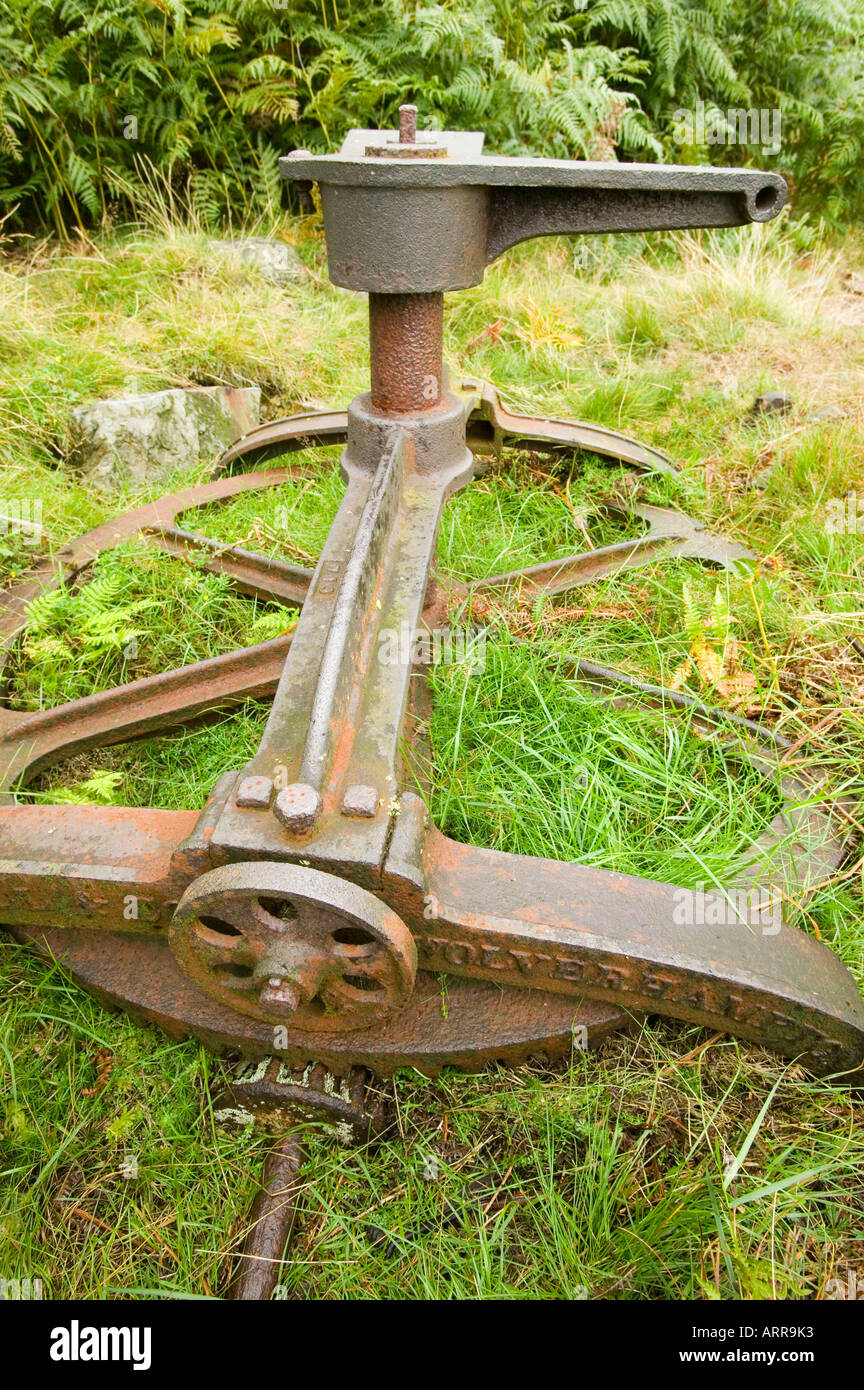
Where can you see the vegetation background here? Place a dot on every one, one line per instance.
(96, 96)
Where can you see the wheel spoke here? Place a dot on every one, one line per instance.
(229, 952)
(272, 580)
(139, 708)
(68, 562)
(376, 972)
(585, 567)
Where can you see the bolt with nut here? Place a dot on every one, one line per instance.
(297, 807)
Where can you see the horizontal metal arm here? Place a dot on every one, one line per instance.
(351, 167)
(641, 945)
(518, 214)
(426, 224)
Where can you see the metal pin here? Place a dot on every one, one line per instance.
(407, 124)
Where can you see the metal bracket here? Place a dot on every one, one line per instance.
(428, 224)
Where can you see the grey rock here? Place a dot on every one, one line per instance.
(142, 438)
(274, 260)
(772, 403)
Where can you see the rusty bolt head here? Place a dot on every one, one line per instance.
(360, 801)
(297, 807)
(254, 792)
(279, 994)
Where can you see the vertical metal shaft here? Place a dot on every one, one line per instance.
(406, 348)
(271, 1223)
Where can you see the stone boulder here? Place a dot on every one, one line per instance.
(131, 440)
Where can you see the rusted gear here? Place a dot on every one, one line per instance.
(458, 1023)
(274, 1097)
(284, 943)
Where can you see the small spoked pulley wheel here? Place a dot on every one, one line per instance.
(293, 946)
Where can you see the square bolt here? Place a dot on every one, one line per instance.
(360, 801)
(254, 792)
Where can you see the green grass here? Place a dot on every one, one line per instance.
(669, 1164)
(532, 764)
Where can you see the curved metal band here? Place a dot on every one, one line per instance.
(491, 427)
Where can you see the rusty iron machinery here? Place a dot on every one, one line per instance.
(294, 1106)
(310, 911)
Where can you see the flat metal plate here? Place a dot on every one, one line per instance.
(459, 144)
